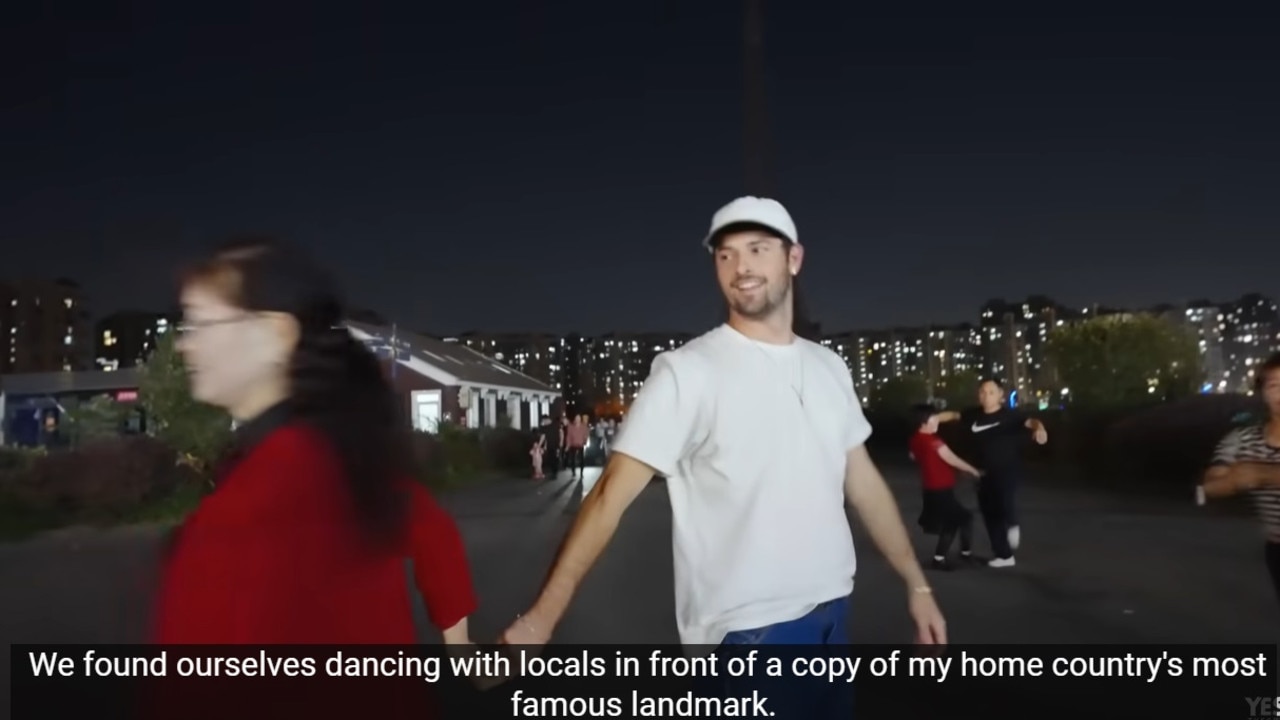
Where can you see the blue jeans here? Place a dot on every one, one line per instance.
(823, 632)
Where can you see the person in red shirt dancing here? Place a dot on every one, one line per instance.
(941, 514)
(314, 514)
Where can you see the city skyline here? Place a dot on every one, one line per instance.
(70, 294)
(49, 330)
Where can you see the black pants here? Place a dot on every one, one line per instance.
(1273, 565)
(574, 459)
(948, 536)
(551, 460)
(996, 495)
(942, 514)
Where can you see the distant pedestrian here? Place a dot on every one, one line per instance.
(998, 432)
(550, 438)
(941, 513)
(761, 438)
(563, 443)
(51, 435)
(576, 435)
(1247, 460)
(601, 432)
(536, 452)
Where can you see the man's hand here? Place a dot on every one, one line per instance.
(1038, 432)
(870, 496)
(931, 628)
(621, 482)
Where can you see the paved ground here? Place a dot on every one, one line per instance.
(1093, 569)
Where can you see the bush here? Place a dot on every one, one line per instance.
(1161, 449)
(144, 479)
(99, 418)
(102, 482)
(456, 456)
(15, 460)
(1155, 450)
(103, 476)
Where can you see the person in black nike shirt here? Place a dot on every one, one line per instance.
(996, 432)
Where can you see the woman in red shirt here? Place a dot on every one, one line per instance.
(941, 513)
(306, 536)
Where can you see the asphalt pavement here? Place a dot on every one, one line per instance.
(1092, 569)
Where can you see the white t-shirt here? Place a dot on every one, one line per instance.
(756, 477)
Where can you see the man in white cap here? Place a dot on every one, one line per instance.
(761, 438)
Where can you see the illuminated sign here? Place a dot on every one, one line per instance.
(126, 396)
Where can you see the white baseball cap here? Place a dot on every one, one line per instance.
(755, 210)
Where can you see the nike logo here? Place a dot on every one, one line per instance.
(980, 428)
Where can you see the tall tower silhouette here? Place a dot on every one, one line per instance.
(756, 136)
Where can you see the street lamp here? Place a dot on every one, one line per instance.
(756, 135)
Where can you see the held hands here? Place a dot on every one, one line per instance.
(1041, 436)
(527, 631)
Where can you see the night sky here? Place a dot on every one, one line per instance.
(552, 166)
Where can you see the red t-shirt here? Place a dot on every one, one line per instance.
(935, 473)
(275, 556)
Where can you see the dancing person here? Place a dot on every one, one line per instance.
(563, 444)
(997, 432)
(551, 456)
(601, 433)
(760, 436)
(1247, 460)
(306, 536)
(941, 513)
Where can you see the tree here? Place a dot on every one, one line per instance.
(200, 432)
(958, 390)
(1115, 361)
(100, 417)
(898, 394)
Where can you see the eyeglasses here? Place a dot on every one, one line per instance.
(190, 326)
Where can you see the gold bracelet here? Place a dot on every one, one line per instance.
(922, 590)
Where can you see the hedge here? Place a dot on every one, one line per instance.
(138, 478)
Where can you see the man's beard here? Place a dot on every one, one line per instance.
(769, 302)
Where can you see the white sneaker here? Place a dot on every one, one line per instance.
(1015, 536)
(1002, 562)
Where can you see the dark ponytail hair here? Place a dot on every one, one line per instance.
(336, 385)
(802, 323)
